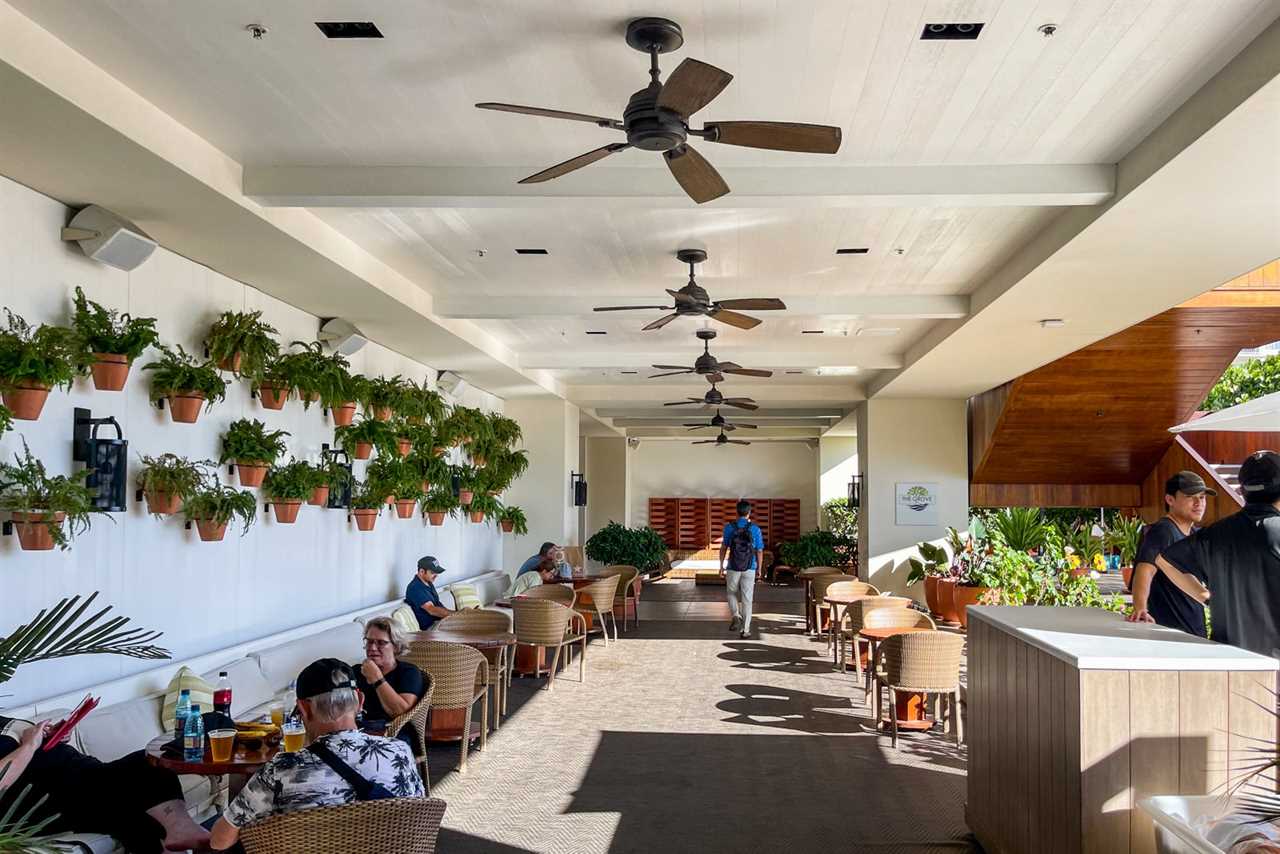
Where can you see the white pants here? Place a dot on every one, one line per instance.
(740, 586)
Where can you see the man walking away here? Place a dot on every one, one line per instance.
(744, 545)
(1156, 599)
(1236, 561)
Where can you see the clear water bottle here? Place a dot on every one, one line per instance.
(222, 694)
(180, 713)
(193, 736)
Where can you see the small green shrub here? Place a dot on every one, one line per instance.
(220, 505)
(515, 516)
(44, 355)
(178, 372)
(616, 544)
(243, 333)
(819, 548)
(842, 520)
(170, 474)
(293, 481)
(102, 330)
(1244, 382)
(26, 487)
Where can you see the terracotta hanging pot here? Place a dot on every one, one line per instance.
(404, 446)
(479, 461)
(211, 531)
(436, 519)
(391, 499)
(382, 413)
(364, 450)
(26, 400)
(931, 594)
(185, 406)
(319, 497)
(507, 526)
(251, 472)
(162, 503)
(405, 507)
(963, 598)
(273, 395)
(365, 518)
(465, 496)
(110, 371)
(34, 530)
(286, 511)
(946, 600)
(231, 364)
(476, 515)
(343, 414)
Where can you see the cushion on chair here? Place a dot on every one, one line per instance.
(282, 664)
(201, 692)
(249, 689)
(405, 618)
(464, 596)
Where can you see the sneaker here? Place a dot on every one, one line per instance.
(744, 635)
(735, 624)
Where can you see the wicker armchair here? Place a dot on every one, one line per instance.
(852, 620)
(550, 624)
(500, 659)
(822, 611)
(626, 595)
(923, 663)
(416, 719)
(459, 677)
(601, 590)
(890, 618)
(808, 576)
(563, 594)
(846, 586)
(392, 826)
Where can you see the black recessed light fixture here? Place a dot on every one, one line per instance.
(853, 250)
(349, 29)
(811, 331)
(951, 32)
(596, 332)
(531, 252)
(628, 372)
(795, 372)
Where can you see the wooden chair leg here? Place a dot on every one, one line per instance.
(604, 627)
(893, 715)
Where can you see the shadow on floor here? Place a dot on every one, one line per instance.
(782, 659)
(773, 707)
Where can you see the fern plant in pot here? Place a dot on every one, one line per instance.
(484, 507)
(34, 360)
(419, 404)
(212, 507)
(466, 478)
(432, 470)
(168, 480)
(252, 448)
(111, 341)
(512, 520)
(383, 396)
(286, 487)
(330, 475)
(186, 382)
(361, 438)
(367, 501)
(348, 391)
(240, 342)
(46, 511)
(438, 504)
(318, 377)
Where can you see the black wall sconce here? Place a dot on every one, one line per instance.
(855, 491)
(106, 459)
(339, 497)
(578, 485)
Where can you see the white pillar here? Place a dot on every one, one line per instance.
(609, 479)
(902, 443)
(550, 428)
(837, 464)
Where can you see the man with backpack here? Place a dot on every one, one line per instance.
(744, 545)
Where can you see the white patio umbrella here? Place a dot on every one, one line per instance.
(1260, 415)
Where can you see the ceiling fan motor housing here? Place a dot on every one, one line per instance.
(714, 397)
(649, 127)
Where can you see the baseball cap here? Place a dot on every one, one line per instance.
(429, 564)
(1188, 483)
(1260, 474)
(318, 678)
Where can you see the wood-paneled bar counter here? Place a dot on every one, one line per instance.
(1075, 715)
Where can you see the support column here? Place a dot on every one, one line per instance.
(837, 463)
(550, 428)
(609, 477)
(903, 443)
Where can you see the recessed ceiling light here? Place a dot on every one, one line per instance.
(951, 32)
(811, 331)
(878, 331)
(899, 251)
(853, 250)
(349, 29)
(1052, 323)
(596, 332)
(531, 252)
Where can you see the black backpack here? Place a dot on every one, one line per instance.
(741, 548)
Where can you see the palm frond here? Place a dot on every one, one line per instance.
(18, 832)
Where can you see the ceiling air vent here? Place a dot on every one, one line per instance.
(811, 331)
(349, 29)
(951, 32)
(531, 252)
(853, 250)
(596, 332)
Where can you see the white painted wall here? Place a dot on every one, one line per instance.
(204, 596)
(761, 470)
(908, 440)
(550, 428)
(837, 464)
(608, 477)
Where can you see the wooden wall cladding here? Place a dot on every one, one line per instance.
(1055, 495)
(664, 517)
(784, 520)
(693, 532)
(721, 511)
(1219, 446)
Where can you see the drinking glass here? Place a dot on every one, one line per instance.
(221, 743)
(294, 736)
(277, 714)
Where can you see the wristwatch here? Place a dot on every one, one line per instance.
(375, 685)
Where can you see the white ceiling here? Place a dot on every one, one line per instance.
(1113, 72)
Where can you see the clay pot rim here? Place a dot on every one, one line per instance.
(113, 358)
(284, 500)
(252, 464)
(26, 516)
(26, 385)
(198, 395)
(365, 511)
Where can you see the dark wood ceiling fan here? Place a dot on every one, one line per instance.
(714, 397)
(693, 301)
(707, 364)
(657, 119)
(722, 439)
(721, 422)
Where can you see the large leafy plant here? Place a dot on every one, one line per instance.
(243, 334)
(819, 548)
(386, 393)
(1125, 535)
(6, 419)
(515, 517)
(1244, 382)
(487, 505)
(293, 481)
(395, 476)
(1021, 528)
(220, 504)
(420, 403)
(617, 544)
(368, 495)
(178, 372)
(249, 440)
(20, 832)
(103, 330)
(1046, 579)
(26, 487)
(842, 520)
(170, 474)
(311, 373)
(40, 355)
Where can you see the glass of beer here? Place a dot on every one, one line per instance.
(277, 714)
(221, 743)
(294, 736)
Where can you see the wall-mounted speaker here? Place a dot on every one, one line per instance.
(447, 382)
(341, 336)
(109, 238)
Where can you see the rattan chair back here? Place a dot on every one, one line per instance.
(540, 623)
(601, 591)
(923, 661)
(855, 615)
(817, 571)
(562, 593)
(823, 583)
(896, 618)
(574, 555)
(454, 669)
(401, 825)
(851, 588)
(626, 573)
(476, 620)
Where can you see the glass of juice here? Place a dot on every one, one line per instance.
(277, 714)
(294, 736)
(221, 744)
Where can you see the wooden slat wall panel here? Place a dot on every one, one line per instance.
(664, 517)
(1054, 495)
(1221, 446)
(1202, 732)
(722, 511)
(693, 523)
(1246, 722)
(1072, 767)
(784, 521)
(984, 416)
(761, 514)
(1105, 798)
(1154, 747)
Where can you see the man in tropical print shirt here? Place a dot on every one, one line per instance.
(328, 702)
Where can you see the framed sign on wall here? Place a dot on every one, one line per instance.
(916, 503)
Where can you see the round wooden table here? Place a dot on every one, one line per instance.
(446, 724)
(911, 709)
(844, 600)
(238, 769)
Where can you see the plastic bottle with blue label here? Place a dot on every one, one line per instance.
(193, 736)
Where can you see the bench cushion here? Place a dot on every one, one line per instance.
(281, 665)
(114, 731)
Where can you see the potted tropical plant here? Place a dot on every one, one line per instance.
(273, 382)
(466, 476)
(439, 503)
(512, 520)
(111, 340)
(407, 498)
(367, 501)
(432, 470)
(213, 506)
(931, 565)
(286, 487)
(383, 396)
(353, 389)
(469, 425)
(616, 544)
(484, 507)
(34, 360)
(1085, 546)
(330, 475)
(405, 434)
(186, 383)
(1021, 528)
(419, 404)
(240, 342)
(46, 511)
(505, 431)
(168, 480)
(361, 438)
(252, 448)
(1125, 536)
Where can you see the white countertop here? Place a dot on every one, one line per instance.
(1093, 639)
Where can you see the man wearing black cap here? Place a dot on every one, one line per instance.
(1236, 561)
(339, 765)
(421, 594)
(1156, 599)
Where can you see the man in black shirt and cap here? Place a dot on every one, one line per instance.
(1156, 599)
(1236, 561)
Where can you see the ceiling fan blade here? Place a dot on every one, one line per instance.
(737, 442)
(741, 426)
(697, 426)
(729, 365)
(631, 307)
(705, 442)
(685, 402)
(734, 319)
(778, 136)
(761, 304)
(669, 374)
(698, 178)
(659, 323)
(575, 163)
(692, 86)
(731, 402)
(682, 298)
(747, 372)
(549, 114)
(714, 378)
(672, 368)
(739, 400)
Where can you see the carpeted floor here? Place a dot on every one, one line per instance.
(687, 738)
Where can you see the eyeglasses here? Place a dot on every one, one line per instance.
(380, 644)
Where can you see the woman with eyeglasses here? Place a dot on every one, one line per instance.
(390, 687)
